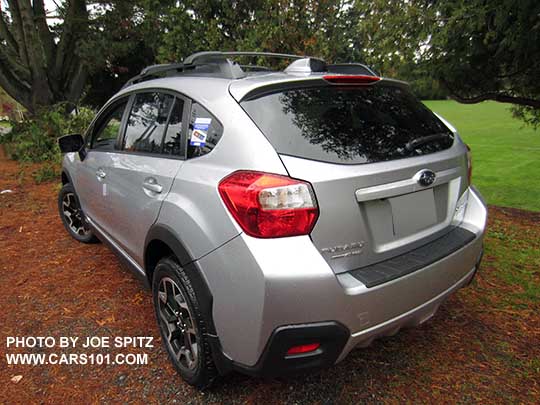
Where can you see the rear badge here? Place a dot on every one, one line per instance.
(341, 251)
(425, 177)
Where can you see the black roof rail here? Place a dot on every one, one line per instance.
(217, 64)
(209, 66)
(210, 63)
(155, 69)
(202, 57)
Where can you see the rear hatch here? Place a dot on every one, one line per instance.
(387, 173)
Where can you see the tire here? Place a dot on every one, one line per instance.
(186, 327)
(72, 216)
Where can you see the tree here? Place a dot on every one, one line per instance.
(308, 27)
(40, 66)
(489, 50)
(477, 49)
(122, 40)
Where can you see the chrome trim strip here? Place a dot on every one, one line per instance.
(404, 186)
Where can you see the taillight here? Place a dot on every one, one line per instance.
(269, 205)
(469, 164)
(351, 79)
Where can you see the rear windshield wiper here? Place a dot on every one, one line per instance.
(411, 145)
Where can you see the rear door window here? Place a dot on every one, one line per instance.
(172, 143)
(348, 125)
(147, 122)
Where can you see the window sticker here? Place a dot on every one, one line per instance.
(200, 131)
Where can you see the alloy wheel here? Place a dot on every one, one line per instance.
(176, 322)
(74, 215)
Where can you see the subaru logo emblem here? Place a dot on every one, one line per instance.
(425, 177)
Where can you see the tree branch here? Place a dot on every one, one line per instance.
(490, 95)
(41, 94)
(44, 32)
(68, 40)
(77, 82)
(5, 34)
(15, 89)
(10, 61)
(18, 32)
(500, 97)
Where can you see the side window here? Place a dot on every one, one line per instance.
(146, 122)
(204, 131)
(104, 137)
(172, 144)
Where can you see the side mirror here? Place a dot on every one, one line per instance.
(71, 143)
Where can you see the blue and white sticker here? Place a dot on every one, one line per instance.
(200, 131)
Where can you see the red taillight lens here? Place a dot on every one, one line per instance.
(303, 349)
(469, 164)
(351, 79)
(269, 205)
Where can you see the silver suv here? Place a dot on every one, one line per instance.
(281, 218)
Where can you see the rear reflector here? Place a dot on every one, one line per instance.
(351, 79)
(301, 349)
(269, 205)
(469, 164)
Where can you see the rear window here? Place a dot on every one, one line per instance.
(348, 125)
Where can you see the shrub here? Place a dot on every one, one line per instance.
(34, 139)
(47, 172)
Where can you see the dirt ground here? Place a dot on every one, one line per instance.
(482, 346)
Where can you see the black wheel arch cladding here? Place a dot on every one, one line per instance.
(167, 236)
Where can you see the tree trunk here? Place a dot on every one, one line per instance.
(35, 69)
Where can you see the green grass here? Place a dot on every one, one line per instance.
(506, 153)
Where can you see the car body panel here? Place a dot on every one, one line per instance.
(94, 194)
(132, 208)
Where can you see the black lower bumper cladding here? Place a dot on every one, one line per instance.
(331, 336)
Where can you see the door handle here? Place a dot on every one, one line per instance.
(100, 173)
(152, 185)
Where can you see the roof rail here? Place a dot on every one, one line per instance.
(217, 64)
(206, 65)
(213, 55)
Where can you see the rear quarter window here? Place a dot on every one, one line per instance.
(205, 131)
(348, 125)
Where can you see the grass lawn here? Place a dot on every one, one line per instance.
(506, 154)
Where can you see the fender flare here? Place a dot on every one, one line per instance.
(166, 235)
(70, 180)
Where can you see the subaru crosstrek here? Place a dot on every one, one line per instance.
(281, 218)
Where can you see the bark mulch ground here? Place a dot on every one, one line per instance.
(483, 345)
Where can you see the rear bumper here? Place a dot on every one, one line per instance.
(271, 284)
(411, 318)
